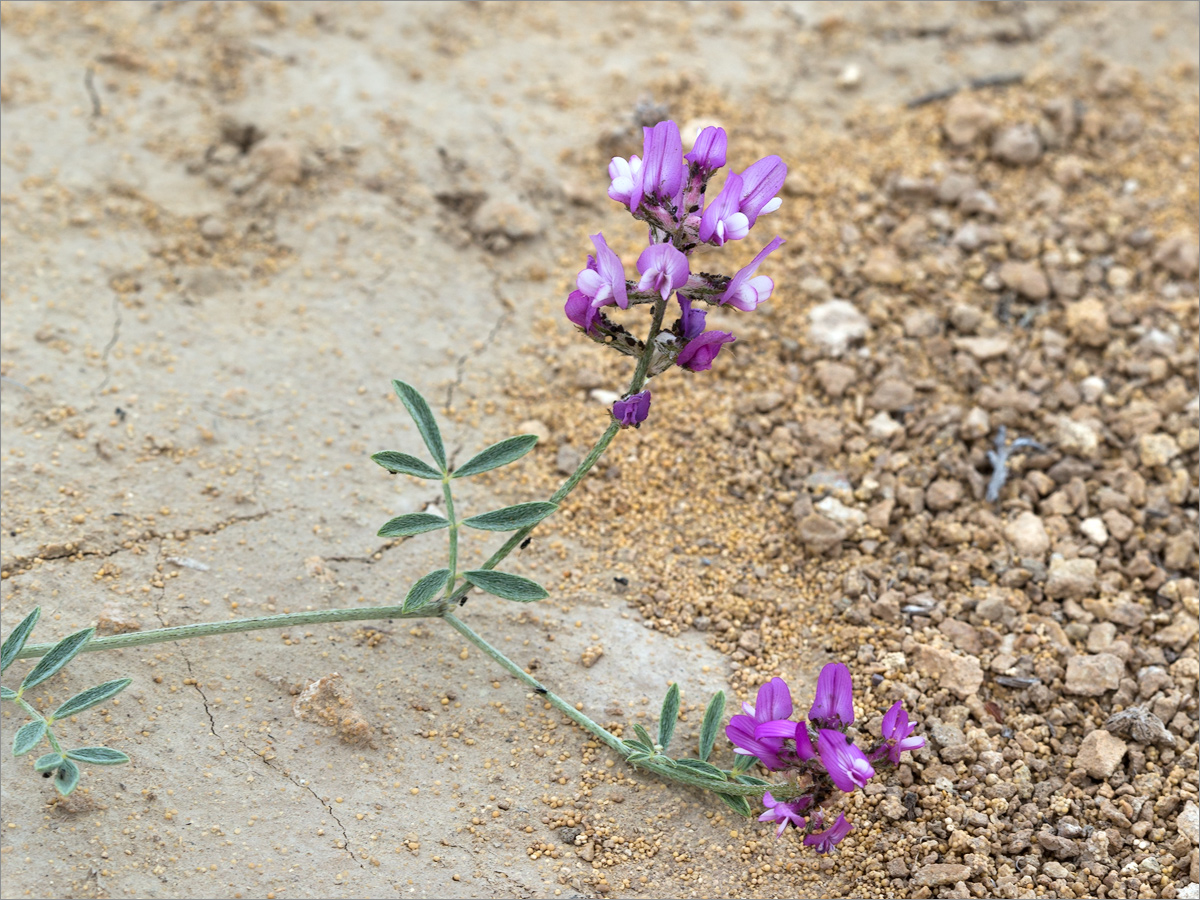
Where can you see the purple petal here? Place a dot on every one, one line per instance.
(726, 205)
(691, 323)
(663, 269)
(579, 310)
(780, 728)
(834, 701)
(848, 767)
(633, 409)
(610, 270)
(662, 164)
(761, 182)
(699, 354)
(804, 744)
(740, 732)
(736, 294)
(774, 701)
(824, 841)
(708, 152)
(895, 721)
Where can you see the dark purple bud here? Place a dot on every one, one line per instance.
(700, 352)
(632, 410)
(691, 321)
(708, 153)
(833, 706)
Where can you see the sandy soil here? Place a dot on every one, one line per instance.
(226, 227)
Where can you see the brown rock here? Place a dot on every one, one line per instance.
(1100, 754)
(944, 493)
(1088, 322)
(1071, 578)
(819, 534)
(282, 161)
(883, 266)
(1157, 449)
(958, 673)
(938, 874)
(1179, 254)
(1017, 145)
(892, 394)
(1028, 535)
(835, 377)
(967, 119)
(1091, 676)
(1026, 278)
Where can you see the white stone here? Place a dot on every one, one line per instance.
(835, 325)
(882, 427)
(832, 508)
(1094, 530)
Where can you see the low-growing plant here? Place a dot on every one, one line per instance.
(665, 190)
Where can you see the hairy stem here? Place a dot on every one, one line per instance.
(204, 629)
(602, 734)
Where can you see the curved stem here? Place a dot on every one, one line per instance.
(602, 734)
(204, 629)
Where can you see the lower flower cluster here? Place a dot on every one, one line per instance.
(822, 757)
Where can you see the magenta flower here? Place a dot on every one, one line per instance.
(788, 730)
(773, 701)
(785, 812)
(579, 310)
(632, 410)
(896, 730)
(848, 767)
(662, 166)
(691, 321)
(825, 841)
(747, 290)
(708, 153)
(603, 281)
(723, 220)
(624, 174)
(700, 352)
(833, 706)
(760, 185)
(664, 269)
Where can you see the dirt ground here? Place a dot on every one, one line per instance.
(227, 226)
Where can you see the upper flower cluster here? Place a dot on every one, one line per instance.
(766, 729)
(666, 189)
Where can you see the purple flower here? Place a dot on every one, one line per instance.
(708, 153)
(773, 701)
(833, 706)
(579, 310)
(624, 174)
(740, 732)
(603, 281)
(848, 767)
(691, 321)
(723, 220)
(700, 352)
(784, 812)
(663, 269)
(632, 410)
(760, 184)
(825, 841)
(662, 165)
(896, 730)
(746, 290)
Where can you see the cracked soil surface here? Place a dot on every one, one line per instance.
(225, 228)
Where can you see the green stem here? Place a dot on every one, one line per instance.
(639, 374)
(204, 629)
(453, 534)
(602, 734)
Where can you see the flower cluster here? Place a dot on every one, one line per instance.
(818, 750)
(666, 190)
